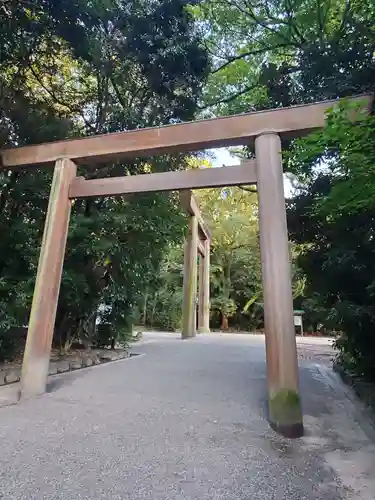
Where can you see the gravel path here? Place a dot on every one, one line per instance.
(185, 421)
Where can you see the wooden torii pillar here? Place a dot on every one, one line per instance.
(47, 285)
(197, 241)
(204, 290)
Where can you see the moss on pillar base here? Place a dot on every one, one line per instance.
(185, 337)
(203, 329)
(285, 413)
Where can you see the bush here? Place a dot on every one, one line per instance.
(12, 343)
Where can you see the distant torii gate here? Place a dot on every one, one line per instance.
(265, 129)
(197, 241)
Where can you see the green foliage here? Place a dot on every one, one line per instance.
(332, 218)
(277, 53)
(62, 67)
(231, 215)
(235, 279)
(225, 306)
(346, 151)
(162, 303)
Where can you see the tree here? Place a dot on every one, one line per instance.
(332, 218)
(231, 215)
(164, 307)
(62, 74)
(346, 151)
(272, 53)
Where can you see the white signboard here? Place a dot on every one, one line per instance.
(298, 320)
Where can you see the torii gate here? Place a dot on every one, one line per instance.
(197, 242)
(265, 129)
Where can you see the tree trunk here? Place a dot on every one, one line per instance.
(144, 319)
(224, 322)
(153, 309)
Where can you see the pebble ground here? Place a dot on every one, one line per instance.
(186, 420)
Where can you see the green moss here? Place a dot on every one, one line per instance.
(202, 329)
(285, 407)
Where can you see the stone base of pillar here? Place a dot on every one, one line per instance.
(284, 413)
(187, 337)
(203, 329)
(190, 334)
(291, 431)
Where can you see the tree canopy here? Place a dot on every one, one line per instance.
(268, 53)
(81, 68)
(331, 218)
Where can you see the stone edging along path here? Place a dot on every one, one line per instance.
(365, 391)
(11, 374)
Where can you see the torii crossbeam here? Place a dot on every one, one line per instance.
(264, 129)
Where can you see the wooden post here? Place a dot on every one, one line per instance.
(282, 366)
(47, 286)
(201, 294)
(190, 281)
(204, 290)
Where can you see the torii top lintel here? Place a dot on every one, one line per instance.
(192, 136)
